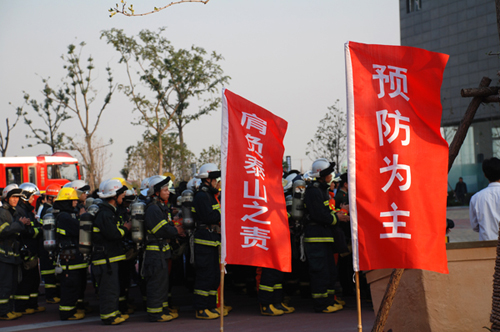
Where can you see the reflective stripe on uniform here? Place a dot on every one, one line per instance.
(5, 224)
(111, 260)
(318, 239)
(3, 301)
(21, 297)
(50, 286)
(158, 226)
(207, 242)
(61, 231)
(34, 295)
(113, 314)
(47, 272)
(76, 266)
(331, 291)
(96, 230)
(200, 292)
(154, 310)
(266, 288)
(326, 203)
(319, 295)
(66, 308)
(8, 253)
(215, 207)
(165, 304)
(157, 248)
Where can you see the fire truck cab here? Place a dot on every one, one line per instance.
(41, 170)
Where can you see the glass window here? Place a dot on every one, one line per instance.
(62, 171)
(495, 140)
(466, 153)
(413, 5)
(32, 174)
(14, 175)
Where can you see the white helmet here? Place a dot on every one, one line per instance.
(289, 181)
(77, 185)
(208, 171)
(29, 189)
(12, 190)
(144, 186)
(193, 184)
(157, 182)
(111, 188)
(321, 167)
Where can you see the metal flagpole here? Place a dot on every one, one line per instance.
(221, 297)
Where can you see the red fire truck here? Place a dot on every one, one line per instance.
(41, 170)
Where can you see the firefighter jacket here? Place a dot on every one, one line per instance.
(160, 229)
(10, 227)
(32, 235)
(320, 217)
(68, 233)
(107, 236)
(206, 208)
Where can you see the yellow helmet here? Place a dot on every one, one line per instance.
(124, 182)
(67, 194)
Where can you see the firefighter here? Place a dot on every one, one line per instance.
(318, 237)
(108, 250)
(26, 299)
(83, 189)
(47, 263)
(127, 266)
(74, 275)
(11, 224)
(160, 229)
(207, 216)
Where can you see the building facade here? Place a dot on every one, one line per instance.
(467, 31)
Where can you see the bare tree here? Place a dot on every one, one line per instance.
(4, 140)
(330, 139)
(101, 157)
(130, 11)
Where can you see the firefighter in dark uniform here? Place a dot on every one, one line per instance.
(11, 224)
(318, 238)
(108, 250)
(47, 263)
(26, 299)
(74, 267)
(207, 216)
(160, 229)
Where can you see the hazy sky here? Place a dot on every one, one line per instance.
(284, 55)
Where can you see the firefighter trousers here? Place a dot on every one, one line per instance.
(156, 280)
(206, 259)
(73, 282)
(9, 277)
(270, 287)
(322, 273)
(27, 291)
(106, 277)
(48, 273)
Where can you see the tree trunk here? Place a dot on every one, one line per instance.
(91, 164)
(160, 154)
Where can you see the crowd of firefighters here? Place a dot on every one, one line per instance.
(118, 232)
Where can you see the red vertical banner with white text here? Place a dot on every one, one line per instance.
(397, 158)
(254, 218)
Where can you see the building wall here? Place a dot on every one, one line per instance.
(467, 31)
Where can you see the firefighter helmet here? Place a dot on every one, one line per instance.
(52, 189)
(208, 171)
(124, 182)
(12, 190)
(321, 167)
(78, 185)
(289, 181)
(111, 188)
(144, 186)
(29, 189)
(67, 194)
(157, 182)
(193, 184)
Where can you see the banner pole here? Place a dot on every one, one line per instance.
(222, 297)
(358, 302)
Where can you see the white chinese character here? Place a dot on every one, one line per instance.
(254, 235)
(395, 174)
(251, 217)
(397, 79)
(256, 191)
(254, 166)
(382, 121)
(253, 121)
(254, 142)
(381, 77)
(395, 223)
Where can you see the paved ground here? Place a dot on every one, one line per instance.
(245, 317)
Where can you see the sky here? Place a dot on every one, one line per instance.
(287, 56)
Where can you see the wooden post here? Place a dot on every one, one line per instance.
(358, 302)
(385, 306)
(465, 124)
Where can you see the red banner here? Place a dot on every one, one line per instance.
(397, 159)
(254, 218)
